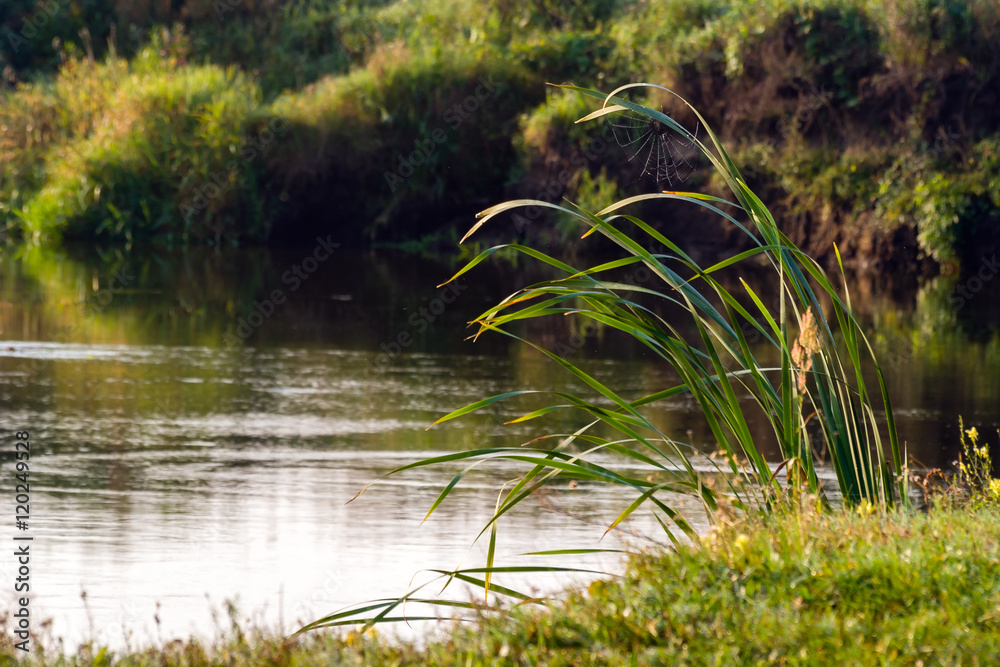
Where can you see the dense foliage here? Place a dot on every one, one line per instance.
(856, 119)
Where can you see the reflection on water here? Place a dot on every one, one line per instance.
(177, 454)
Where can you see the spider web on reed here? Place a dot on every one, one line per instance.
(666, 157)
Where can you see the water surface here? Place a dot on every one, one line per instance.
(200, 419)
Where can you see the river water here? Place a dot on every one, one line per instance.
(200, 419)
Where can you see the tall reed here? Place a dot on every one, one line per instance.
(821, 377)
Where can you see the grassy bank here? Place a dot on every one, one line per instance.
(834, 588)
(868, 123)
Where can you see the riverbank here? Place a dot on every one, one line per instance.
(867, 124)
(841, 587)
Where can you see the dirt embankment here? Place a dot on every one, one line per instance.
(885, 148)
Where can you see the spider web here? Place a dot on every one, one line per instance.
(665, 156)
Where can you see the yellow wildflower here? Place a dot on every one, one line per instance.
(865, 507)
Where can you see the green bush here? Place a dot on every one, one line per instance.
(554, 122)
(567, 56)
(560, 15)
(41, 118)
(406, 131)
(953, 203)
(166, 158)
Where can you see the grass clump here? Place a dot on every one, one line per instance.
(137, 174)
(798, 588)
(41, 118)
(126, 151)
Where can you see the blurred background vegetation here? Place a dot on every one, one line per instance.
(870, 124)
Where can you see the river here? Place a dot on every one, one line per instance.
(199, 420)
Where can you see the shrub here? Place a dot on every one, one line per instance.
(166, 139)
(39, 118)
(406, 131)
